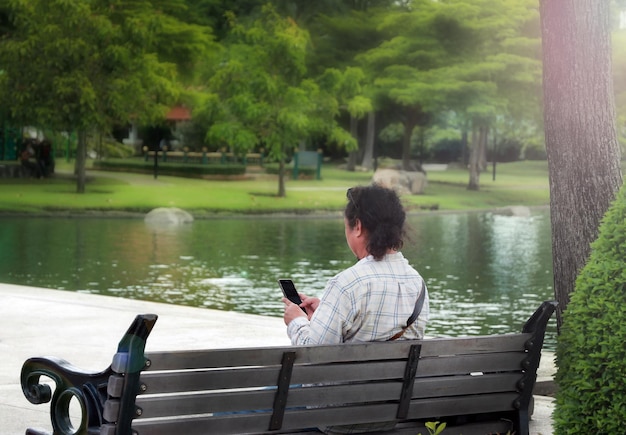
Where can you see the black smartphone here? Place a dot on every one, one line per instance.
(290, 292)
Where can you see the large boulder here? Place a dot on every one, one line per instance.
(168, 216)
(403, 182)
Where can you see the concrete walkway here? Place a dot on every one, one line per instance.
(85, 329)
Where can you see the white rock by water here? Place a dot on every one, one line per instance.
(403, 182)
(168, 216)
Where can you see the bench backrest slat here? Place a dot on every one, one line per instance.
(262, 400)
(470, 404)
(473, 345)
(463, 364)
(205, 403)
(450, 386)
(250, 423)
(175, 381)
(216, 358)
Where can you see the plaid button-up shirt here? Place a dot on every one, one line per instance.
(370, 301)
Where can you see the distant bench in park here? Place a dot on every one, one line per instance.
(478, 385)
(13, 170)
(310, 161)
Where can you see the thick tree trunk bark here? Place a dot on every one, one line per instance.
(581, 142)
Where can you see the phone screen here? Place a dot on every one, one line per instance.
(290, 292)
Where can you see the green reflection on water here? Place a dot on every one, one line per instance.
(486, 273)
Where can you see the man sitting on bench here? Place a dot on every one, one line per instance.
(379, 298)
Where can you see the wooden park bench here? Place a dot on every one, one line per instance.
(311, 160)
(478, 385)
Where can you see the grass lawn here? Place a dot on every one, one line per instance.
(520, 183)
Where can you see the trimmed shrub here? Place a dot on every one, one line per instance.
(591, 349)
(174, 169)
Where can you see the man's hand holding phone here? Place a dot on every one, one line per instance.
(307, 305)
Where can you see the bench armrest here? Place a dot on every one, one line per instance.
(89, 389)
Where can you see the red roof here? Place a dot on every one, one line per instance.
(178, 113)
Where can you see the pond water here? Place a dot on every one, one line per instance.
(486, 272)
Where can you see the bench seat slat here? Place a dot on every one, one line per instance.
(213, 358)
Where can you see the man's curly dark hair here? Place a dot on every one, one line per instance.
(381, 214)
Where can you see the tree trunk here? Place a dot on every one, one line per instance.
(281, 178)
(474, 170)
(581, 141)
(482, 142)
(81, 159)
(409, 126)
(353, 155)
(464, 146)
(368, 154)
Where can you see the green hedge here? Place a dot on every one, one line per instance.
(591, 348)
(167, 168)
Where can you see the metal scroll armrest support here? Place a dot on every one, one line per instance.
(89, 389)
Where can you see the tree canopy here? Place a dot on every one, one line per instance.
(260, 93)
(452, 71)
(86, 65)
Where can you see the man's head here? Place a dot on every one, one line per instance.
(378, 214)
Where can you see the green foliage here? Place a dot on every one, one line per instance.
(260, 94)
(83, 64)
(435, 427)
(115, 149)
(479, 59)
(591, 356)
(256, 85)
